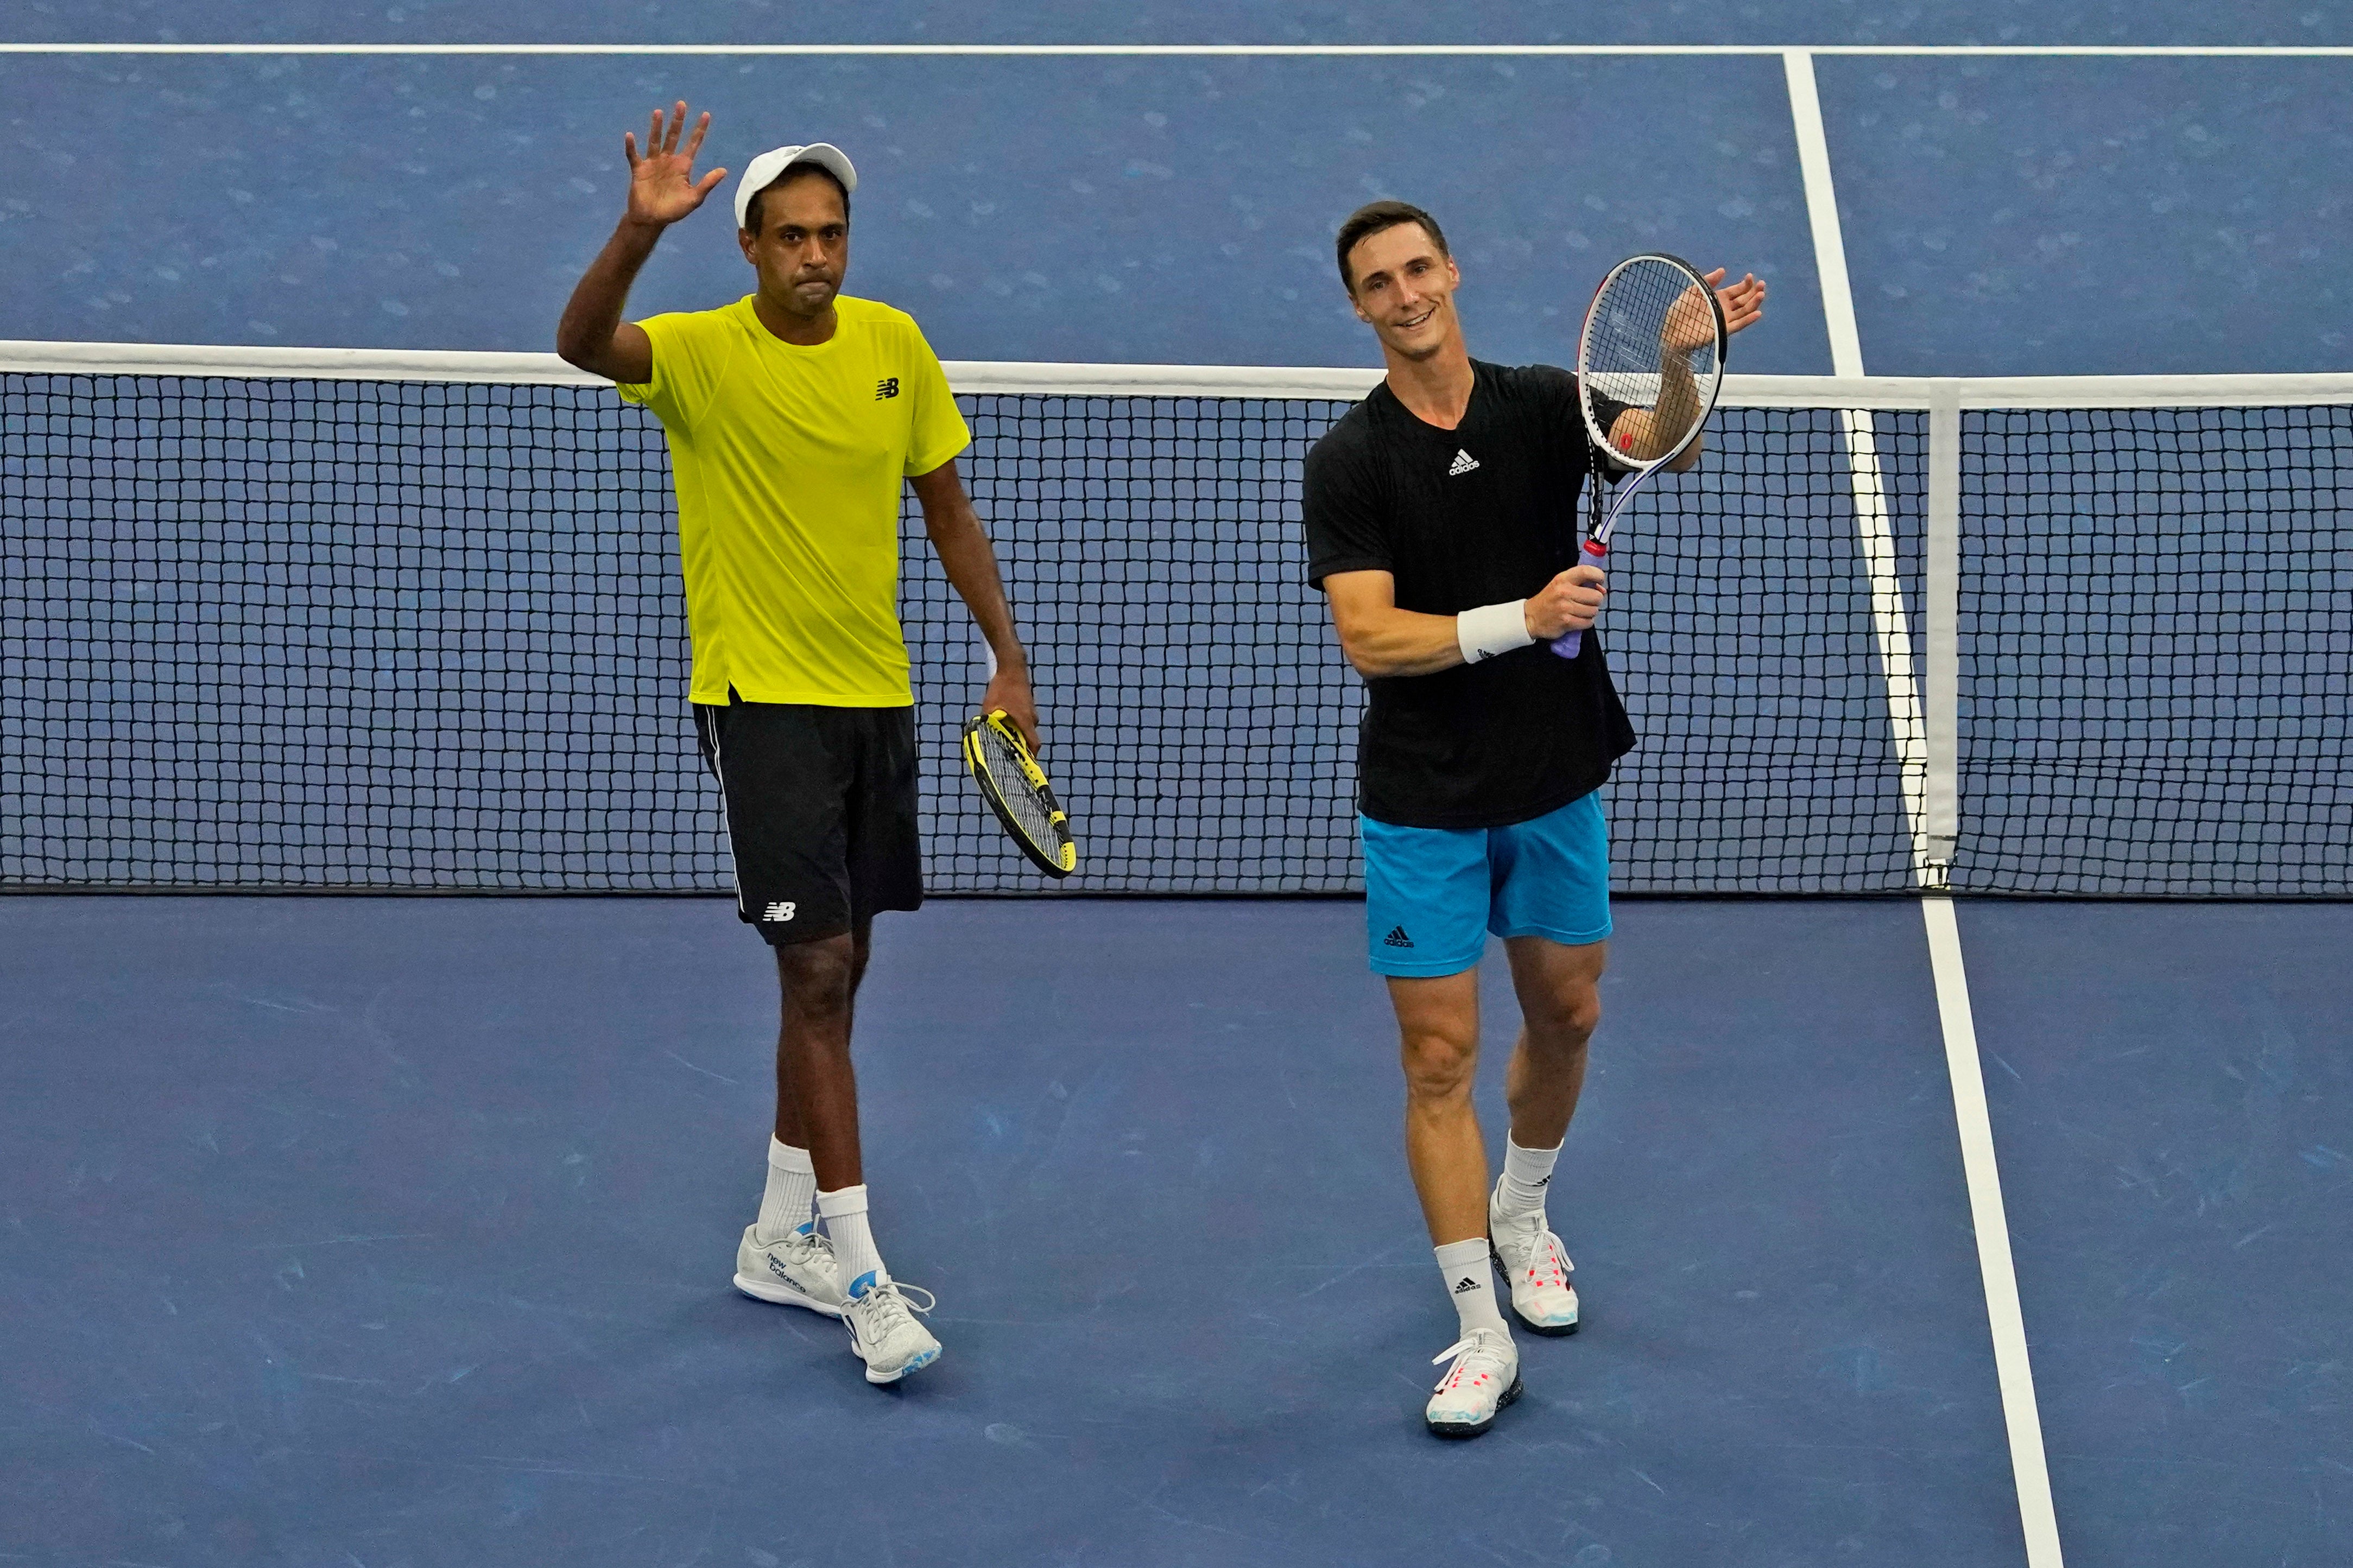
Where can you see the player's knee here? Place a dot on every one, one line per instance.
(819, 977)
(1564, 1020)
(1439, 1064)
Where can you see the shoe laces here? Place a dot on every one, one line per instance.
(1484, 1351)
(891, 1306)
(807, 1244)
(1547, 1260)
(1548, 1264)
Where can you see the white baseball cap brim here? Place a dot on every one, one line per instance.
(762, 172)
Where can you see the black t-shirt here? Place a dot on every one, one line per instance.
(1480, 514)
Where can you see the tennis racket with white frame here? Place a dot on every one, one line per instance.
(1655, 341)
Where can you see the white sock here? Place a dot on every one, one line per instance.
(1471, 1283)
(791, 1187)
(1527, 1174)
(853, 1243)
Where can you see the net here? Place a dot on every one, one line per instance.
(2156, 651)
(308, 631)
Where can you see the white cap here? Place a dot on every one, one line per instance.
(763, 171)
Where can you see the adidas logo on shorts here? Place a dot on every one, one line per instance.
(1397, 938)
(1463, 463)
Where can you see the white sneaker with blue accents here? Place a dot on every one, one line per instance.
(1484, 1378)
(798, 1271)
(1533, 1260)
(883, 1327)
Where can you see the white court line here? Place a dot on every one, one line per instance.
(1821, 211)
(2013, 1368)
(1267, 51)
(1983, 1172)
(1866, 479)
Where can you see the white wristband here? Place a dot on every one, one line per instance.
(1491, 629)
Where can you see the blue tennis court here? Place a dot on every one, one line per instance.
(1989, 1230)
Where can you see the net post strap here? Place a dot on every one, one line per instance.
(1941, 663)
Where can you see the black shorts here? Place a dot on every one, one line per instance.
(821, 813)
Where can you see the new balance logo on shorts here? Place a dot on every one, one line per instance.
(1463, 463)
(887, 387)
(778, 911)
(1397, 938)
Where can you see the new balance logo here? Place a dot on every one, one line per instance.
(779, 911)
(1463, 463)
(1397, 938)
(887, 387)
(1465, 1283)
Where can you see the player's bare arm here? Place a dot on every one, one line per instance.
(662, 190)
(1381, 640)
(970, 562)
(1690, 328)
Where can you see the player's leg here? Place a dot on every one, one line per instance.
(883, 857)
(784, 790)
(1438, 1035)
(1552, 908)
(1426, 896)
(785, 1257)
(789, 1130)
(813, 1065)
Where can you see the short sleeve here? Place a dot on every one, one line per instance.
(1341, 504)
(937, 431)
(687, 353)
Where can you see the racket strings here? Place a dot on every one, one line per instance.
(1031, 811)
(1647, 304)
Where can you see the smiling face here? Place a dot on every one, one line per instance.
(802, 247)
(1403, 286)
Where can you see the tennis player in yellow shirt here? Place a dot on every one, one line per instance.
(794, 416)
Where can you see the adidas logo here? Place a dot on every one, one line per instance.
(1397, 938)
(1463, 463)
(1465, 1283)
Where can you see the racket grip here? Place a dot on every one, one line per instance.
(1568, 644)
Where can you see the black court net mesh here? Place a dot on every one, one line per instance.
(339, 634)
(2157, 652)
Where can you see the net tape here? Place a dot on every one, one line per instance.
(314, 633)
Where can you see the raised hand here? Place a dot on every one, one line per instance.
(1742, 302)
(1690, 325)
(662, 186)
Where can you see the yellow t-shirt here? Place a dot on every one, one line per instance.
(789, 463)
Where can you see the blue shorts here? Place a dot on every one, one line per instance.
(1432, 894)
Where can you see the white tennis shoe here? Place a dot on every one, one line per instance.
(798, 1271)
(884, 1329)
(1484, 1378)
(1531, 1258)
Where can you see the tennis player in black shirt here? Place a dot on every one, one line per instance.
(1441, 524)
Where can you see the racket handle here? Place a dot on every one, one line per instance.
(1568, 644)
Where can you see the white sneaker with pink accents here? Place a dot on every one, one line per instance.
(1531, 1258)
(1484, 1378)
